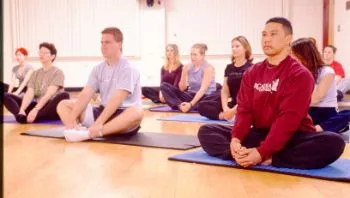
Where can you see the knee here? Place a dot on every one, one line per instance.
(336, 143)
(7, 96)
(206, 109)
(61, 96)
(164, 86)
(62, 105)
(203, 131)
(144, 90)
(202, 105)
(201, 108)
(137, 113)
(65, 95)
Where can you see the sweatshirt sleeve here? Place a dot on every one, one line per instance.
(244, 116)
(293, 107)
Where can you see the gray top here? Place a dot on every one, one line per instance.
(41, 80)
(106, 79)
(21, 76)
(195, 79)
(330, 99)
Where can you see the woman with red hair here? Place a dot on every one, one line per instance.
(21, 73)
(44, 91)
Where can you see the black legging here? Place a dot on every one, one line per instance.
(5, 87)
(152, 93)
(305, 150)
(329, 119)
(211, 106)
(48, 112)
(174, 96)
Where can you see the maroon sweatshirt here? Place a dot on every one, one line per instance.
(275, 98)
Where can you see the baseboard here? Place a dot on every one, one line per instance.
(73, 88)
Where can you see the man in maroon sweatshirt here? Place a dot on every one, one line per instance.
(272, 124)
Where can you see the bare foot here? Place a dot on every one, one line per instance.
(221, 116)
(229, 115)
(267, 162)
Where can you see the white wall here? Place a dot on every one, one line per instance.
(166, 23)
(342, 34)
(217, 22)
(307, 17)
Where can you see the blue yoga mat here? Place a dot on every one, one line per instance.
(337, 171)
(193, 118)
(165, 108)
(12, 120)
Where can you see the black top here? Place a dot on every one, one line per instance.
(234, 77)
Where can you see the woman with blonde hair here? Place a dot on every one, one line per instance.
(170, 73)
(197, 82)
(223, 107)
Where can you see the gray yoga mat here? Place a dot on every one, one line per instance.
(147, 139)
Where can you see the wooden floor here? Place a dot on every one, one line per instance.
(44, 167)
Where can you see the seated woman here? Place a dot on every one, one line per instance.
(323, 108)
(44, 91)
(170, 73)
(341, 80)
(20, 73)
(224, 107)
(197, 82)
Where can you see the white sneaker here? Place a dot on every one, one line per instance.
(77, 134)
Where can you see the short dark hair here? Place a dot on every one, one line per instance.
(51, 47)
(287, 26)
(332, 47)
(116, 32)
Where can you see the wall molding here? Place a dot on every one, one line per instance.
(81, 58)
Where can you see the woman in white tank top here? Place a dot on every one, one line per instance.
(323, 108)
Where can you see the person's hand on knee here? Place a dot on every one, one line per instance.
(249, 157)
(229, 114)
(235, 147)
(185, 107)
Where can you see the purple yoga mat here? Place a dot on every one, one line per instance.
(345, 100)
(12, 120)
(167, 109)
